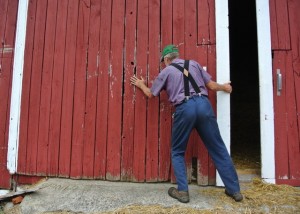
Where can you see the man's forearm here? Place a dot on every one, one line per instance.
(146, 90)
(226, 87)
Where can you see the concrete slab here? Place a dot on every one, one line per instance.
(57, 195)
(90, 196)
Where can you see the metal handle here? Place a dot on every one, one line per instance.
(279, 82)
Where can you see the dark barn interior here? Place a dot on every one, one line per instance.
(245, 123)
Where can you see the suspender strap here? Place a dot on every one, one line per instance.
(187, 77)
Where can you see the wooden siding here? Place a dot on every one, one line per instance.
(80, 116)
(8, 17)
(285, 45)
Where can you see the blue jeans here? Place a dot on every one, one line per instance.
(198, 113)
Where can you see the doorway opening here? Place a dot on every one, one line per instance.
(245, 109)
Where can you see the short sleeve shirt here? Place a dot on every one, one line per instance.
(171, 80)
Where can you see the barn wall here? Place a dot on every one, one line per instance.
(80, 116)
(8, 17)
(285, 30)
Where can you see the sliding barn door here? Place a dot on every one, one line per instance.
(80, 116)
(285, 29)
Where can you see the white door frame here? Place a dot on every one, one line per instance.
(265, 83)
(16, 91)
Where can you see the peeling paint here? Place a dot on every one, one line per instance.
(283, 177)
(110, 177)
(98, 56)
(91, 75)
(6, 49)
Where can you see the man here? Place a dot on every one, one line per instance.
(186, 84)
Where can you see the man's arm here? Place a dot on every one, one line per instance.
(140, 83)
(226, 87)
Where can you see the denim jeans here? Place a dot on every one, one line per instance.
(198, 113)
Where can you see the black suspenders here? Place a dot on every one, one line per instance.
(187, 77)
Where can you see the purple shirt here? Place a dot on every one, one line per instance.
(171, 80)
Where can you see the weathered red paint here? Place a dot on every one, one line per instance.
(285, 30)
(113, 170)
(23, 140)
(45, 103)
(153, 104)
(165, 108)
(92, 73)
(80, 116)
(57, 89)
(103, 90)
(280, 28)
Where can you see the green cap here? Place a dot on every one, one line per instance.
(168, 49)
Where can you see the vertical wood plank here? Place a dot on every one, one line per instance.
(68, 91)
(80, 89)
(139, 160)
(179, 27)
(3, 17)
(115, 92)
(23, 136)
(292, 120)
(281, 147)
(294, 17)
(165, 122)
(190, 19)
(35, 88)
(57, 87)
(128, 128)
(280, 25)
(273, 23)
(91, 94)
(293, 91)
(153, 104)
(45, 102)
(103, 90)
(4, 175)
(206, 22)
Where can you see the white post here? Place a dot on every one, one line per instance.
(16, 93)
(223, 72)
(266, 91)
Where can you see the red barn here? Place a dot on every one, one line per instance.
(67, 108)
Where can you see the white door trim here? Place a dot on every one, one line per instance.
(223, 72)
(16, 92)
(265, 83)
(267, 135)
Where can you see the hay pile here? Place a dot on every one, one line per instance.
(260, 197)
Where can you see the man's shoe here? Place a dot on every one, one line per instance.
(181, 196)
(236, 196)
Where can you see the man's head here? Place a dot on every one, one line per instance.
(169, 53)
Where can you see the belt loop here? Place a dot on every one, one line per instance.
(187, 98)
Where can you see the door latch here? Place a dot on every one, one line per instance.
(279, 82)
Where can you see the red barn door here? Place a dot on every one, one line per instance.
(285, 30)
(80, 116)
